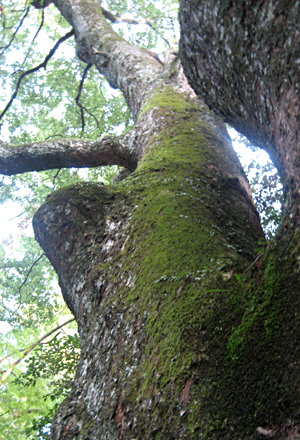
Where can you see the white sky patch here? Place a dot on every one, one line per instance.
(4, 327)
(9, 224)
(245, 153)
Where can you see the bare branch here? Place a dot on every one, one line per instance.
(26, 278)
(16, 216)
(10, 369)
(82, 108)
(35, 69)
(35, 36)
(54, 178)
(15, 33)
(67, 153)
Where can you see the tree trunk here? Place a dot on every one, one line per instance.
(243, 59)
(147, 268)
(175, 343)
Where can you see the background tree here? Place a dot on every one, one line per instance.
(151, 267)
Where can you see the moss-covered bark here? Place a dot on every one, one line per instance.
(148, 268)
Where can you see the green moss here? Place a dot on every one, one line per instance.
(164, 98)
(205, 336)
(177, 256)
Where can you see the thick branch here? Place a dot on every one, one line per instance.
(66, 153)
(125, 66)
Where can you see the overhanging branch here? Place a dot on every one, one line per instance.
(66, 153)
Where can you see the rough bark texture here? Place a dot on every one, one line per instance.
(124, 65)
(174, 345)
(65, 153)
(242, 57)
(135, 261)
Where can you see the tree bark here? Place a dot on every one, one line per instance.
(66, 153)
(176, 344)
(132, 258)
(242, 58)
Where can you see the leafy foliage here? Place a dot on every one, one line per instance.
(56, 361)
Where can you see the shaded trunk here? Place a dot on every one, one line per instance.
(242, 58)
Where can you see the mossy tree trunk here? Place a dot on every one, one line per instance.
(176, 343)
(147, 267)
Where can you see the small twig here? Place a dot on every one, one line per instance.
(254, 262)
(158, 33)
(54, 135)
(56, 174)
(82, 108)
(16, 216)
(3, 359)
(13, 312)
(116, 19)
(10, 369)
(97, 52)
(35, 69)
(35, 36)
(48, 342)
(26, 278)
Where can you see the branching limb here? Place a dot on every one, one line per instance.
(10, 369)
(35, 69)
(67, 153)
